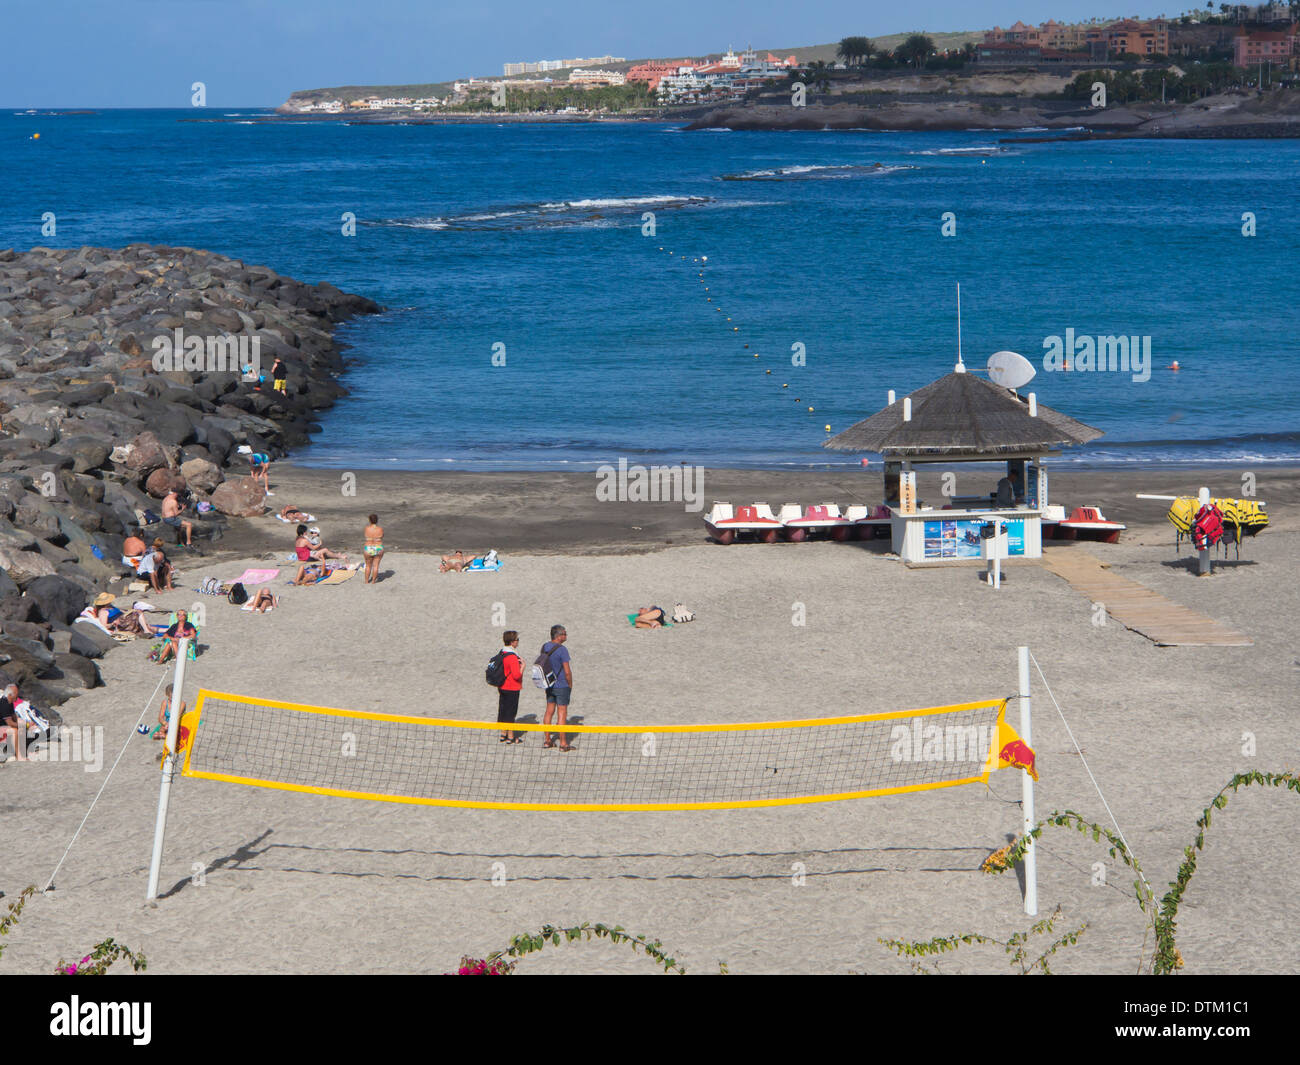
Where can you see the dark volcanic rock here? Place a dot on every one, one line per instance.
(24, 566)
(81, 644)
(95, 431)
(74, 671)
(57, 598)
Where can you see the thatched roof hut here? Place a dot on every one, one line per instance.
(961, 414)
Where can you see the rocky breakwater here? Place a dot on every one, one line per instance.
(123, 374)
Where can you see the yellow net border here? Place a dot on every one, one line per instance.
(195, 741)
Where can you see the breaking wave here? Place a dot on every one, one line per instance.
(815, 172)
(555, 214)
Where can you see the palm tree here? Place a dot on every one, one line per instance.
(819, 75)
(916, 49)
(856, 50)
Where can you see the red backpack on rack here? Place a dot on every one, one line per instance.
(1207, 528)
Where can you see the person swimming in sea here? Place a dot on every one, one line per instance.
(374, 548)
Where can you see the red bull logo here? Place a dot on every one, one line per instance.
(1019, 755)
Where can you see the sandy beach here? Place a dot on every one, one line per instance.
(262, 881)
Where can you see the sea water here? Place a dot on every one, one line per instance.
(533, 321)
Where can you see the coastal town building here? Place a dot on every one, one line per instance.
(541, 66)
(326, 107)
(1251, 46)
(1101, 40)
(1129, 36)
(582, 76)
(653, 70)
(728, 78)
(1006, 54)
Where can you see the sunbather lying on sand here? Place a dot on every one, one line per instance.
(458, 563)
(262, 602)
(455, 562)
(310, 573)
(291, 513)
(650, 617)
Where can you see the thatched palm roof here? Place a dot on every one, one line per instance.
(963, 414)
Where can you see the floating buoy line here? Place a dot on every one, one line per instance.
(701, 262)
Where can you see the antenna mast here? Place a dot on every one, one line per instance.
(959, 368)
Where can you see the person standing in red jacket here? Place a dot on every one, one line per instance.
(508, 693)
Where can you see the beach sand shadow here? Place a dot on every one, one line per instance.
(558, 867)
(243, 853)
(1190, 563)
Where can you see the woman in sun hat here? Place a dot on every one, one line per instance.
(98, 612)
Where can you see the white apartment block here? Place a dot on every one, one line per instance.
(582, 76)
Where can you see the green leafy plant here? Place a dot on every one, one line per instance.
(499, 964)
(101, 959)
(12, 913)
(1018, 946)
(1162, 924)
(96, 963)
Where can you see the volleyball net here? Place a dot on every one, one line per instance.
(438, 762)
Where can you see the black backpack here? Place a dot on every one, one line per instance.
(238, 594)
(496, 669)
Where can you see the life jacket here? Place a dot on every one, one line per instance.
(1207, 530)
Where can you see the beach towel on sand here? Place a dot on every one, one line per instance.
(338, 576)
(257, 576)
(305, 518)
(631, 620)
(480, 565)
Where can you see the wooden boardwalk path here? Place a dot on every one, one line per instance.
(1136, 606)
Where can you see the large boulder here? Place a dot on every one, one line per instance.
(147, 453)
(18, 664)
(239, 499)
(88, 633)
(30, 516)
(162, 481)
(24, 630)
(79, 643)
(42, 435)
(17, 608)
(57, 598)
(24, 567)
(201, 474)
(87, 453)
(33, 651)
(74, 671)
(44, 694)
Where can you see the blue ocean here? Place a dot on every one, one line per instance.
(545, 308)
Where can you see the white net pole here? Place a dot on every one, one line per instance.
(1027, 793)
(168, 767)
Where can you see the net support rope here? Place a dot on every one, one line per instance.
(1079, 750)
(138, 721)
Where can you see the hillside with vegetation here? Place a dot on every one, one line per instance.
(825, 53)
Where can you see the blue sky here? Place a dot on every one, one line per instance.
(147, 53)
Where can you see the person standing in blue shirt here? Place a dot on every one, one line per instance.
(560, 692)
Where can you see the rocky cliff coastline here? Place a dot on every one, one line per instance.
(1228, 115)
(124, 373)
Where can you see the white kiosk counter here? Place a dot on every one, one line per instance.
(929, 536)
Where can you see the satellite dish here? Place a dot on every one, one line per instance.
(1010, 370)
